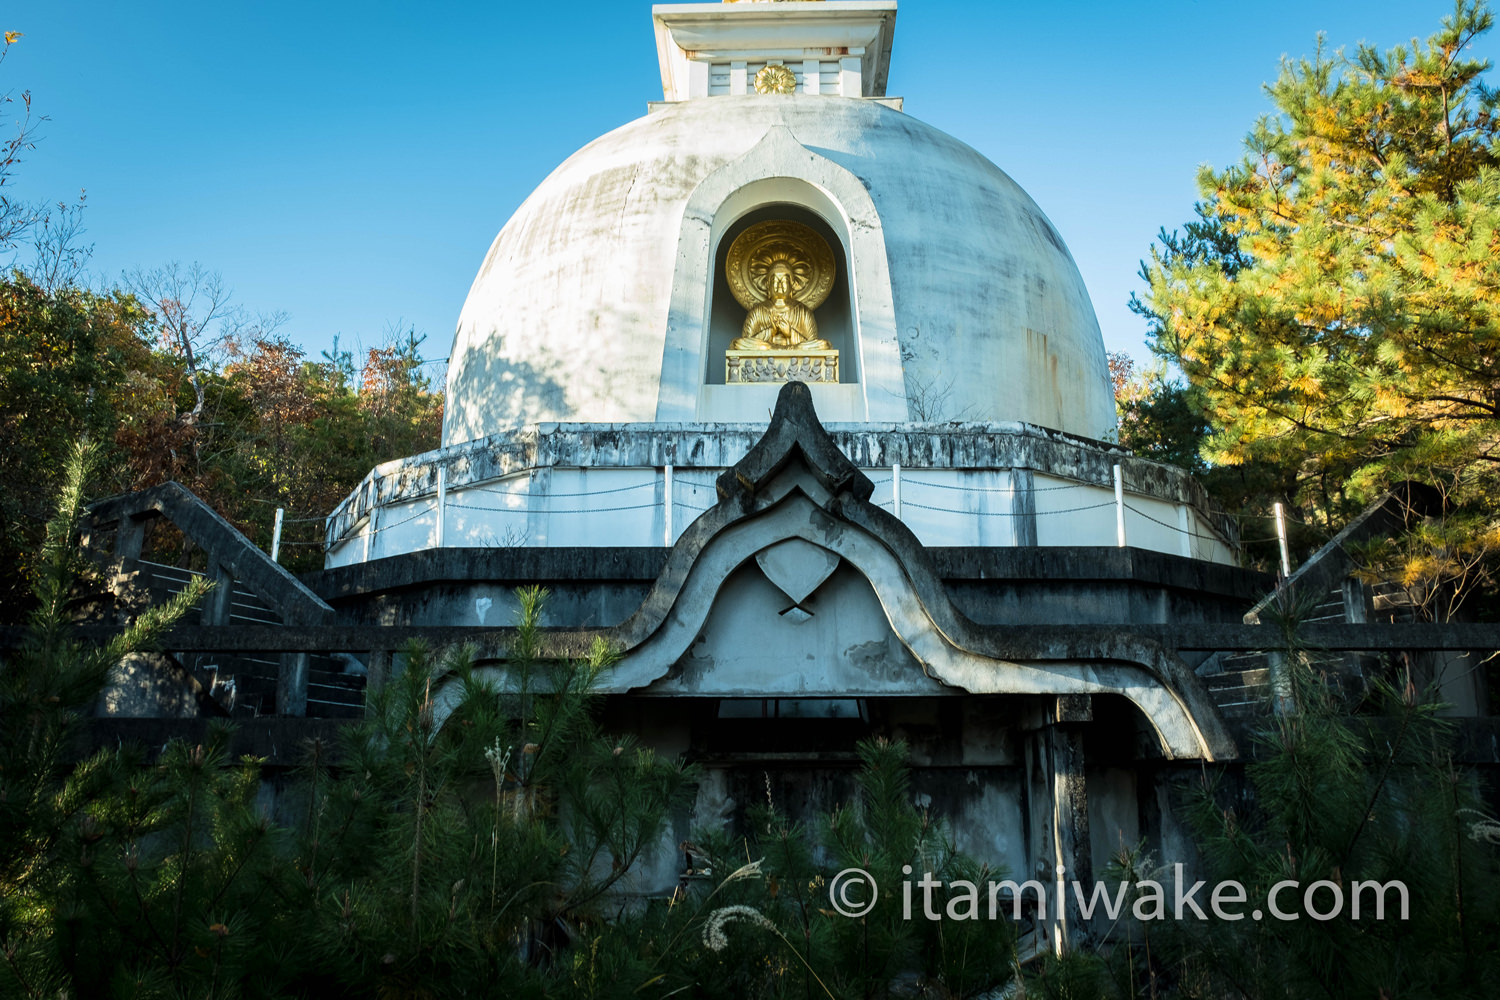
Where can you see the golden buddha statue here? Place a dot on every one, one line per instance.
(779, 322)
(780, 272)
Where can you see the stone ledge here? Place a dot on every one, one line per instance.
(470, 565)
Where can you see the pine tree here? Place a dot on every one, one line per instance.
(467, 834)
(1335, 308)
(470, 832)
(52, 814)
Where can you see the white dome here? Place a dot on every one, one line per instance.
(588, 307)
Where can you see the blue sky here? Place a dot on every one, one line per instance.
(349, 163)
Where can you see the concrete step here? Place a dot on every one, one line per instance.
(1257, 677)
(1241, 693)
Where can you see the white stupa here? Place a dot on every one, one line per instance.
(593, 394)
(779, 235)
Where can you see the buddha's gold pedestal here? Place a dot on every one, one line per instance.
(781, 366)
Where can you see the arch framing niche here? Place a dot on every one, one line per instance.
(779, 170)
(835, 316)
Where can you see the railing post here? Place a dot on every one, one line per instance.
(276, 534)
(1119, 507)
(1286, 558)
(896, 489)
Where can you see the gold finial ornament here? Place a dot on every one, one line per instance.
(780, 271)
(775, 79)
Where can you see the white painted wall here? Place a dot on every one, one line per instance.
(604, 507)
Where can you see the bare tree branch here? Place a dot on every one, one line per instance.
(59, 255)
(190, 305)
(15, 216)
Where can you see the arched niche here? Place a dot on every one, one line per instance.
(781, 175)
(836, 316)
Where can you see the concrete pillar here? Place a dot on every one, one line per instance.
(1356, 601)
(369, 536)
(850, 69)
(1072, 855)
(130, 538)
(539, 506)
(1279, 673)
(291, 684)
(377, 673)
(1358, 607)
(697, 78)
(216, 606)
(668, 506)
(1185, 530)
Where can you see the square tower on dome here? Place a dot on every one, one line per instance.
(828, 47)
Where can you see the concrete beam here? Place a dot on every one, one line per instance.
(1010, 641)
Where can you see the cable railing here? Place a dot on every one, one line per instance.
(528, 496)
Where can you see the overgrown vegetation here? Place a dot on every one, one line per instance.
(1332, 314)
(1346, 799)
(476, 829)
(479, 831)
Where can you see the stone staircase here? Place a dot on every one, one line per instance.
(1327, 592)
(1242, 689)
(245, 686)
(252, 590)
(1242, 686)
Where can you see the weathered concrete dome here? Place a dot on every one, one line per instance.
(602, 299)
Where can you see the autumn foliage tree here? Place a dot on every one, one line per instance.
(308, 431)
(69, 364)
(248, 425)
(1157, 418)
(1335, 308)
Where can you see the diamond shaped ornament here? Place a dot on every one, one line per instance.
(797, 567)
